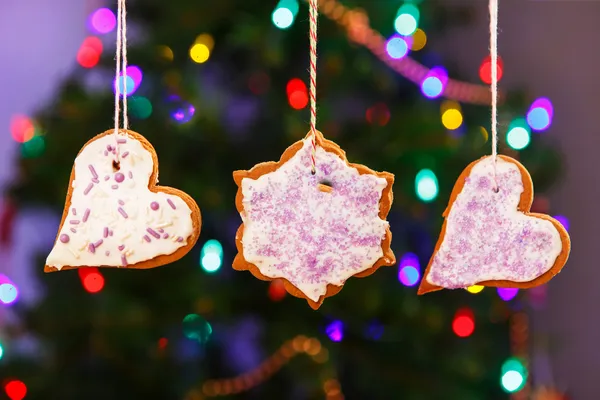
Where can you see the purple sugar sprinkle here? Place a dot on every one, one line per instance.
(180, 239)
(153, 233)
(161, 230)
(115, 187)
(130, 175)
(93, 171)
(121, 141)
(125, 154)
(166, 236)
(98, 243)
(107, 253)
(154, 205)
(105, 232)
(88, 188)
(74, 210)
(73, 230)
(105, 152)
(74, 222)
(92, 248)
(86, 215)
(122, 212)
(106, 177)
(95, 180)
(121, 202)
(146, 238)
(171, 204)
(108, 147)
(123, 260)
(121, 247)
(64, 238)
(119, 177)
(110, 233)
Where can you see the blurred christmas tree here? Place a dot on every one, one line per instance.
(226, 100)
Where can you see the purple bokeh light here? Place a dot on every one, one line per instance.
(335, 331)
(409, 269)
(507, 294)
(564, 221)
(102, 21)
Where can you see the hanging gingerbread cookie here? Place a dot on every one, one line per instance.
(489, 236)
(115, 213)
(313, 219)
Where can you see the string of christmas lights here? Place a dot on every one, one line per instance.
(356, 23)
(249, 380)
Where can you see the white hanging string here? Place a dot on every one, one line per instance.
(494, 61)
(121, 66)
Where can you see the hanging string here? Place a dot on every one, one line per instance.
(494, 59)
(121, 68)
(313, 13)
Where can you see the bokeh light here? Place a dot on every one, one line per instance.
(379, 114)
(519, 135)
(181, 111)
(419, 40)
(277, 290)
(540, 114)
(409, 269)
(196, 328)
(297, 93)
(140, 107)
(34, 147)
(91, 279)
(485, 70)
(463, 324)
(211, 256)
(564, 221)
(397, 47)
(434, 83)
(285, 13)
(1, 351)
(124, 83)
(452, 119)
(507, 294)
(89, 52)
(22, 128)
(475, 289)
(407, 19)
(166, 53)
(514, 375)
(335, 331)
(426, 185)
(102, 21)
(8, 293)
(207, 40)
(15, 389)
(374, 330)
(199, 53)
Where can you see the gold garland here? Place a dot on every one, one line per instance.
(299, 345)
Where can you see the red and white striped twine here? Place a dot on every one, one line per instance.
(313, 13)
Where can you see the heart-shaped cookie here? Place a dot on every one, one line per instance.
(313, 231)
(490, 238)
(115, 214)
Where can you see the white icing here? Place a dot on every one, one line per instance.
(136, 165)
(487, 238)
(312, 238)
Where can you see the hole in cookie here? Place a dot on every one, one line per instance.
(325, 186)
(116, 165)
(313, 171)
(496, 189)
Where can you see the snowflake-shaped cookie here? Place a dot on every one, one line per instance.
(490, 238)
(313, 231)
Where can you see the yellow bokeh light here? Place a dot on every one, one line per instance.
(452, 119)
(447, 105)
(419, 40)
(206, 40)
(199, 53)
(475, 289)
(165, 52)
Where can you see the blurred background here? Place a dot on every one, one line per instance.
(222, 85)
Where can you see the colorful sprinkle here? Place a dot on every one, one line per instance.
(105, 232)
(121, 247)
(95, 180)
(130, 175)
(121, 202)
(122, 212)
(109, 147)
(180, 239)
(146, 238)
(121, 141)
(93, 171)
(74, 222)
(105, 152)
(92, 248)
(86, 215)
(125, 154)
(88, 188)
(166, 236)
(119, 177)
(64, 238)
(98, 243)
(171, 204)
(154, 205)
(106, 177)
(123, 260)
(107, 253)
(153, 233)
(73, 230)
(110, 233)
(74, 210)
(115, 187)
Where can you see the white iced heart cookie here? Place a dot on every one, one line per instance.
(490, 238)
(115, 214)
(313, 231)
